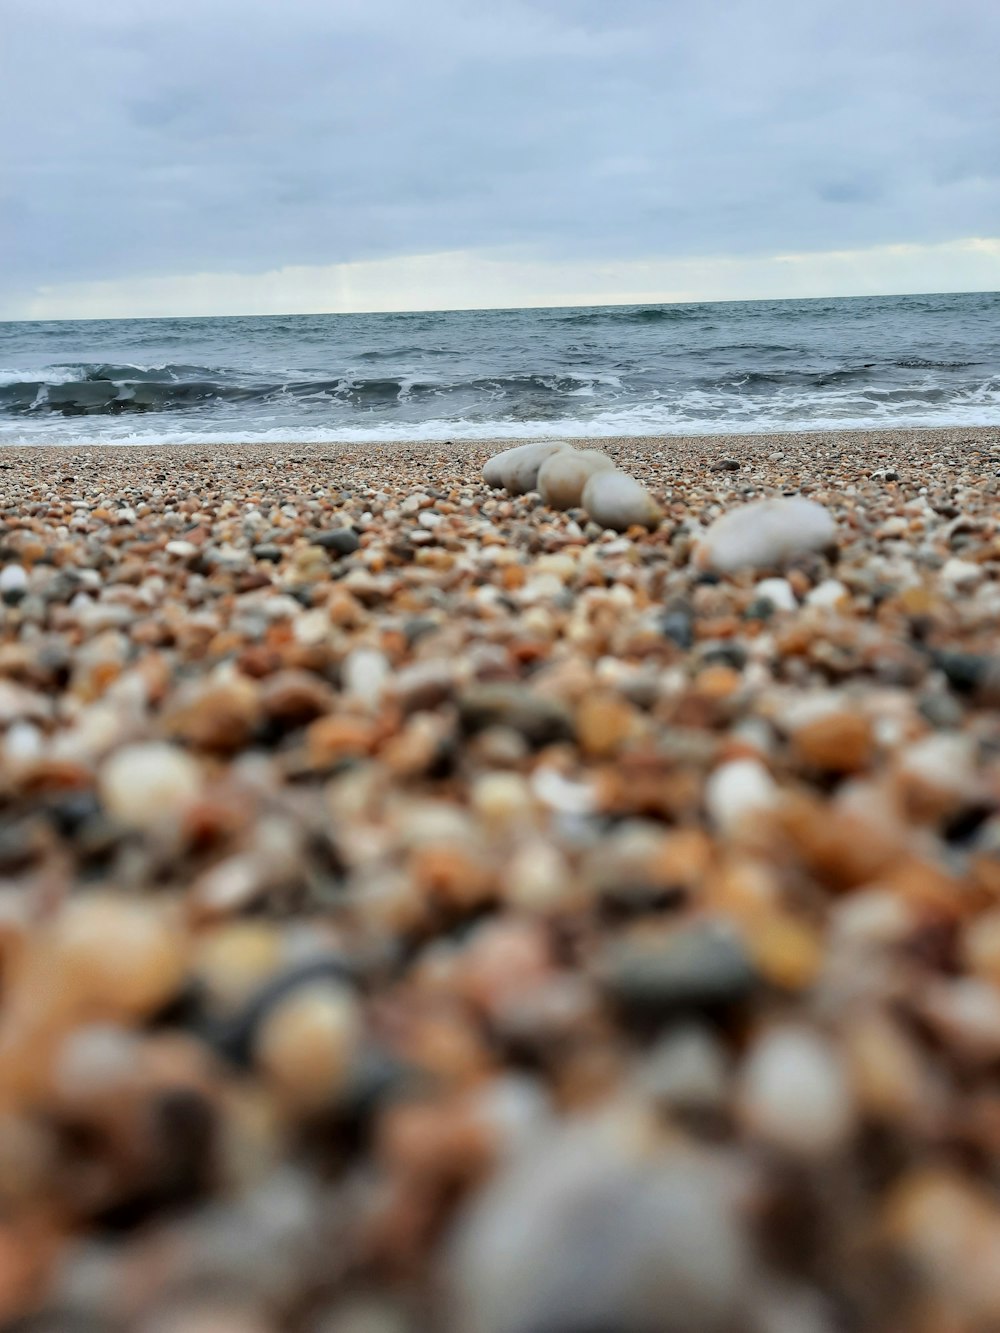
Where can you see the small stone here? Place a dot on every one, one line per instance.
(294, 698)
(365, 673)
(307, 1044)
(738, 791)
(726, 465)
(981, 945)
(537, 877)
(778, 592)
(766, 534)
(218, 715)
(947, 1229)
(183, 550)
(698, 968)
(563, 475)
(686, 1070)
(423, 685)
(232, 961)
(617, 501)
(830, 595)
(502, 799)
(937, 776)
(972, 674)
(786, 952)
(794, 1092)
(339, 541)
(339, 736)
(13, 584)
(113, 956)
(965, 1013)
(961, 575)
(835, 742)
(678, 625)
(603, 723)
(541, 721)
(142, 785)
(887, 1075)
(268, 551)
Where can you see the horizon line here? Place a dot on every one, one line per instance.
(506, 309)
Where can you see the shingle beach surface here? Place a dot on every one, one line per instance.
(421, 909)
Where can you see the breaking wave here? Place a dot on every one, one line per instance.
(662, 369)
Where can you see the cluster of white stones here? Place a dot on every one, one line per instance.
(765, 534)
(569, 478)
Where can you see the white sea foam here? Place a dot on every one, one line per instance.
(40, 375)
(690, 414)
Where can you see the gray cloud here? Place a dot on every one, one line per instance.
(212, 135)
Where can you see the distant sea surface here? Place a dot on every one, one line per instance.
(602, 370)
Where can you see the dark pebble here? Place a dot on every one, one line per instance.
(679, 626)
(761, 608)
(967, 673)
(702, 968)
(539, 720)
(724, 653)
(340, 541)
(266, 551)
(235, 1038)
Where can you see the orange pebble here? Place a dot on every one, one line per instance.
(839, 742)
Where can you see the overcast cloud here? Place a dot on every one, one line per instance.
(144, 142)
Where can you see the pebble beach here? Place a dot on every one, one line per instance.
(423, 910)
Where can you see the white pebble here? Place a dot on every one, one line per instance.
(737, 790)
(961, 574)
(501, 799)
(766, 534)
(828, 594)
(364, 673)
(794, 1092)
(23, 743)
(13, 578)
(145, 783)
(778, 592)
(183, 550)
(616, 500)
(944, 761)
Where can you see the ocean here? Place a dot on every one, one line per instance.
(710, 368)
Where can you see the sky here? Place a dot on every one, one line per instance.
(232, 157)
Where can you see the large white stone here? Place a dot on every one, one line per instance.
(616, 500)
(766, 534)
(563, 475)
(516, 470)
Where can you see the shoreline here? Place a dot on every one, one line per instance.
(630, 450)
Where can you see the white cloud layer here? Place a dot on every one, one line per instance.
(256, 155)
(464, 279)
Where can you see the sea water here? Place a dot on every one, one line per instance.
(469, 374)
